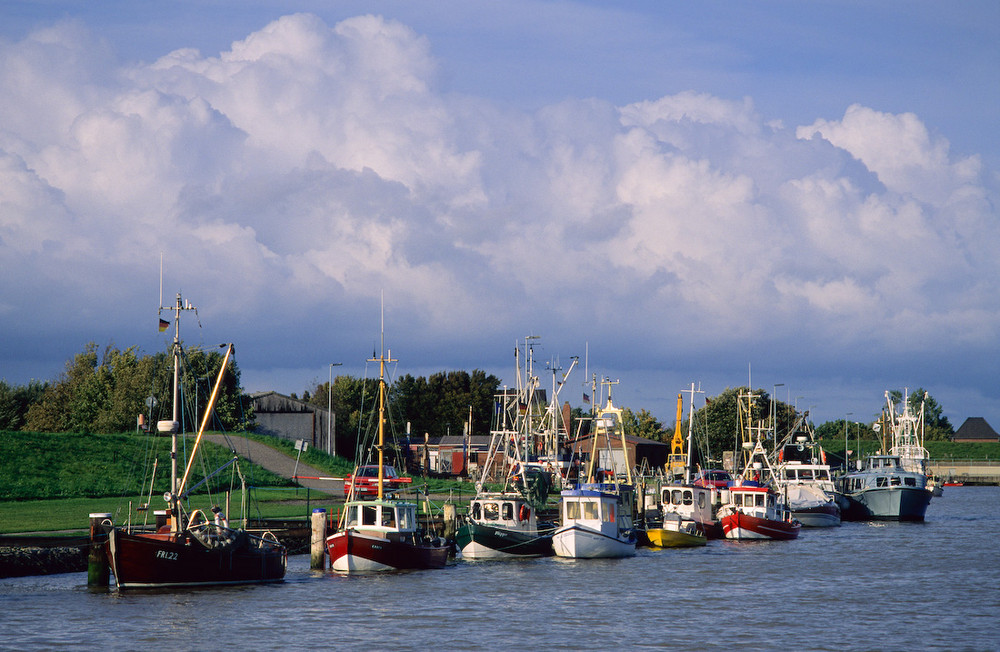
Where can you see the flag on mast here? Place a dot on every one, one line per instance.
(164, 325)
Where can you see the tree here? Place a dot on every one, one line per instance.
(643, 424)
(15, 400)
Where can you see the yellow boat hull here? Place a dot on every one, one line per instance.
(660, 538)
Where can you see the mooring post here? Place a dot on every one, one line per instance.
(98, 569)
(317, 559)
(450, 521)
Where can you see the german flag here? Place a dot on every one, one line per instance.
(164, 325)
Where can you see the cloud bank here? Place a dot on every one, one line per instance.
(294, 178)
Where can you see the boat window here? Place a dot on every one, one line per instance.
(368, 514)
(806, 474)
(688, 497)
(675, 497)
(407, 518)
(590, 510)
(759, 498)
(910, 482)
(822, 474)
(770, 500)
(352, 515)
(388, 516)
(894, 481)
(747, 500)
(701, 499)
(477, 511)
(491, 511)
(508, 511)
(881, 481)
(609, 513)
(572, 510)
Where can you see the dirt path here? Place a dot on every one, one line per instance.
(279, 463)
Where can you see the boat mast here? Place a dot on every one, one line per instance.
(382, 359)
(687, 467)
(172, 495)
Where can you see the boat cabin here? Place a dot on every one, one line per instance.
(595, 510)
(509, 512)
(882, 471)
(689, 502)
(382, 516)
(758, 501)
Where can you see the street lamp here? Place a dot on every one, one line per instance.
(331, 446)
(846, 459)
(774, 409)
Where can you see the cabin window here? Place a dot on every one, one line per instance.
(822, 474)
(590, 510)
(894, 481)
(352, 515)
(407, 518)
(572, 510)
(609, 513)
(910, 482)
(675, 497)
(806, 474)
(759, 500)
(477, 511)
(388, 516)
(701, 500)
(881, 481)
(368, 514)
(491, 511)
(508, 511)
(688, 497)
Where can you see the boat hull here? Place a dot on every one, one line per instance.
(826, 515)
(740, 527)
(486, 542)
(887, 503)
(358, 552)
(664, 538)
(162, 560)
(579, 542)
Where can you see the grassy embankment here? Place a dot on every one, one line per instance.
(51, 482)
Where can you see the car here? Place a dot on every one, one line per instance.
(713, 478)
(365, 480)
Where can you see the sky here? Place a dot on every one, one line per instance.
(799, 195)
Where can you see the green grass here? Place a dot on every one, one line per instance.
(52, 482)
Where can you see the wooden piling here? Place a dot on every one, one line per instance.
(450, 521)
(317, 549)
(98, 569)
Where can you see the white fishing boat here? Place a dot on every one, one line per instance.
(884, 490)
(804, 477)
(597, 517)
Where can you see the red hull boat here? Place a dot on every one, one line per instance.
(165, 560)
(742, 526)
(354, 551)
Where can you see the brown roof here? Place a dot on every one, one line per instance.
(975, 428)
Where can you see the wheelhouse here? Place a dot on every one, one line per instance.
(382, 516)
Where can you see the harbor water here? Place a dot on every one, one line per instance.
(862, 586)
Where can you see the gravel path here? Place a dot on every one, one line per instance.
(277, 462)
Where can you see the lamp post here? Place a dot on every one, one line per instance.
(331, 445)
(846, 465)
(774, 409)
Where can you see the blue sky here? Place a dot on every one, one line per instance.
(688, 191)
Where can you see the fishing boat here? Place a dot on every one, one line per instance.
(803, 476)
(191, 549)
(686, 512)
(907, 432)
(884, 490)
(754, 509)
(381, 533)
(597, 516)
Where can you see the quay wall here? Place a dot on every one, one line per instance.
(969, 471)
